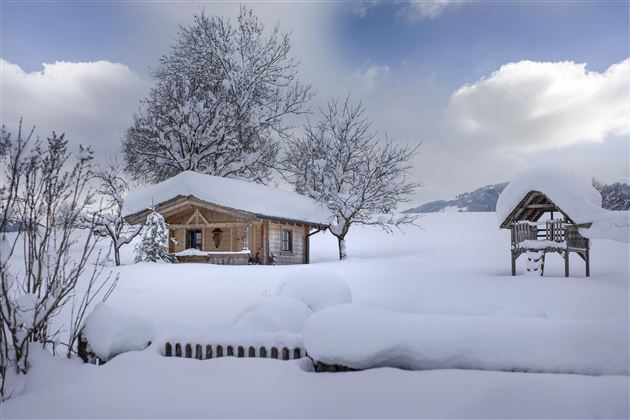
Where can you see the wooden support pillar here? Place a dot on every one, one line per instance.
(246, 237)
(307, 246)
(566, 263)
(587, 260)
(513, 262)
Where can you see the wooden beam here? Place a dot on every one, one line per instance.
(542, 206)
(209, 225)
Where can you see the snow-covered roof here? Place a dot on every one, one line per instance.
(231, 193)
(572, 193)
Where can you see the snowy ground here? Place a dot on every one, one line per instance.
(425, 271)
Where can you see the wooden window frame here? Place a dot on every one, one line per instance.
(188, 241)
(288, 241)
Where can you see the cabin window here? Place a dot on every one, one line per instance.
(194, 239)
(287, 240)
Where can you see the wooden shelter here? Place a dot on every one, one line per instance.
(203, 228)
(538, 226)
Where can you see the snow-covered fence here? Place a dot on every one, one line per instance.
(209, 351)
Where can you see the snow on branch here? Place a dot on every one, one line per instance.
(220, 103)
(341, 163)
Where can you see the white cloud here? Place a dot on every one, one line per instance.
(419, 10)
(532, 106)
(369, 76)
(413, 10)
(93, 103)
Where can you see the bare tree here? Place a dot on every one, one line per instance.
(340, 162)
(109, 219)
(220, 104)
(47, 198)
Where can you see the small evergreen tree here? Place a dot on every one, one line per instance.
(154, 244)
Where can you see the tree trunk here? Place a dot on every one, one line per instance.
(342, 247)
(116, 256)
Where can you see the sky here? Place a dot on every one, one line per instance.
(488, 87)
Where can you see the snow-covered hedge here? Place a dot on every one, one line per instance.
(316, 287)
(361, 337)
(110, 332)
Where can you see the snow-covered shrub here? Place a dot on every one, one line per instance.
(275, 313)
(316, 287)
(362, 337)
(153, 244)
(47, 194)
(110, 332)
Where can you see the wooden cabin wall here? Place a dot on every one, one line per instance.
(265, 236)
(298, 256)
(180, 238)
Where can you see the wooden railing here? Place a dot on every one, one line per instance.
(574, 239)
(551, 230)
(208, 351)
(523, 231)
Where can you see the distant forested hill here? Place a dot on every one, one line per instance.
(614, 197)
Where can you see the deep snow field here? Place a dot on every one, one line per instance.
(456, 264)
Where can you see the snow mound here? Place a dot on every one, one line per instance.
(110, 332)
(412, 303)
(232, 193)
(574, 194)
(275, 313)
(614, 225)
(362, 337)
(315, 287)
(191, 252)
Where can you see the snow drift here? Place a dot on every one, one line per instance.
(275, 313)
(614, 225)
(362, 337)
(315, 287)
(110, 332)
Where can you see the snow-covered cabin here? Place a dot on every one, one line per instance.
(545, 208)
(230, 221)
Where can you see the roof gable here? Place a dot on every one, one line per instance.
(531, 208)
(569, 193)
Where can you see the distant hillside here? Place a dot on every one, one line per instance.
(614, 197)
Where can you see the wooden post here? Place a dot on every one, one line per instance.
(219, 351)
(240, 351)
(188, 350)
(198, 352)
(251, 351)
(274, 352)
(285, 353)
(230, 350)
(262, 352)
(168, 350)
(246, 237)
(513, 263)
(297, 353)
(208, 351)
(566, 263)
(178, 350)
(587, 260)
